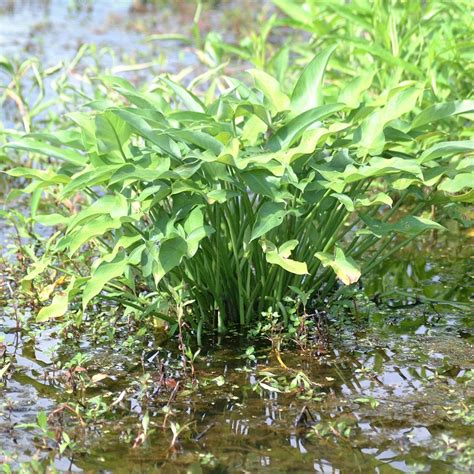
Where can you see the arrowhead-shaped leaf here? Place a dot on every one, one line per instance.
(280, 257)
(308, 92)
(269, 216)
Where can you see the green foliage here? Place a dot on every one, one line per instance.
(36, 99)
(224, 205)
(380, 43)
(392, 40)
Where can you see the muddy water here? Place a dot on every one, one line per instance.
(55, 29)
(54, 32)
(388, 391)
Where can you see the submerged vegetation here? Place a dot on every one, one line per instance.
(168, 227)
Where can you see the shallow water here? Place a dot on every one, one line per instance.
(55, 29)
(391, 391)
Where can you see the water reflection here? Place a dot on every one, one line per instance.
(53, 32)
(397, 397)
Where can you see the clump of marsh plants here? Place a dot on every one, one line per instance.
(229, 204)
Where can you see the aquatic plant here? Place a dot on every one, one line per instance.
(383, 41)
(430, 41)
(224, 207)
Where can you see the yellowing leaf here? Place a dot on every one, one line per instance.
(99, 377)
(58, 306)
(344, 267)
(281, 259)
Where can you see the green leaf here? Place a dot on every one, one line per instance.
(144, 100)
(295, 11)
(441, 111)
(189, 99)
(466, 197)
(6, 65)
(378, 51)
(346, 269)
(144, 129)
(371, 137)
(262, 182)
(380, 198)
(87, 178)
(111, 133)
(42, 420)
(350, 94)
(157, 192)
(52, 219)
(345, 200)
(170, 254)
(195, 231)
(31, 173)
(415, 225)
(409, 225)
(93, 228)
(36, 269)
(221, 195)
(115, 206)
(352, 13)
(42, 148)
(458, 183)
(253, 129)
(104, 273)
(271, 89)
(290, 132)
(446, 149)
(200, 139)
(130, 173)
(307, 93)
(376, 167)
(269, 216)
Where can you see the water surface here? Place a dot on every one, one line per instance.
(390, 392)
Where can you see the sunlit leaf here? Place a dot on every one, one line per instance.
(58, 306)
(281, 258)
(33, 146)
(346, 269)
(270, 87)
(307, 93)
(442, 111)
